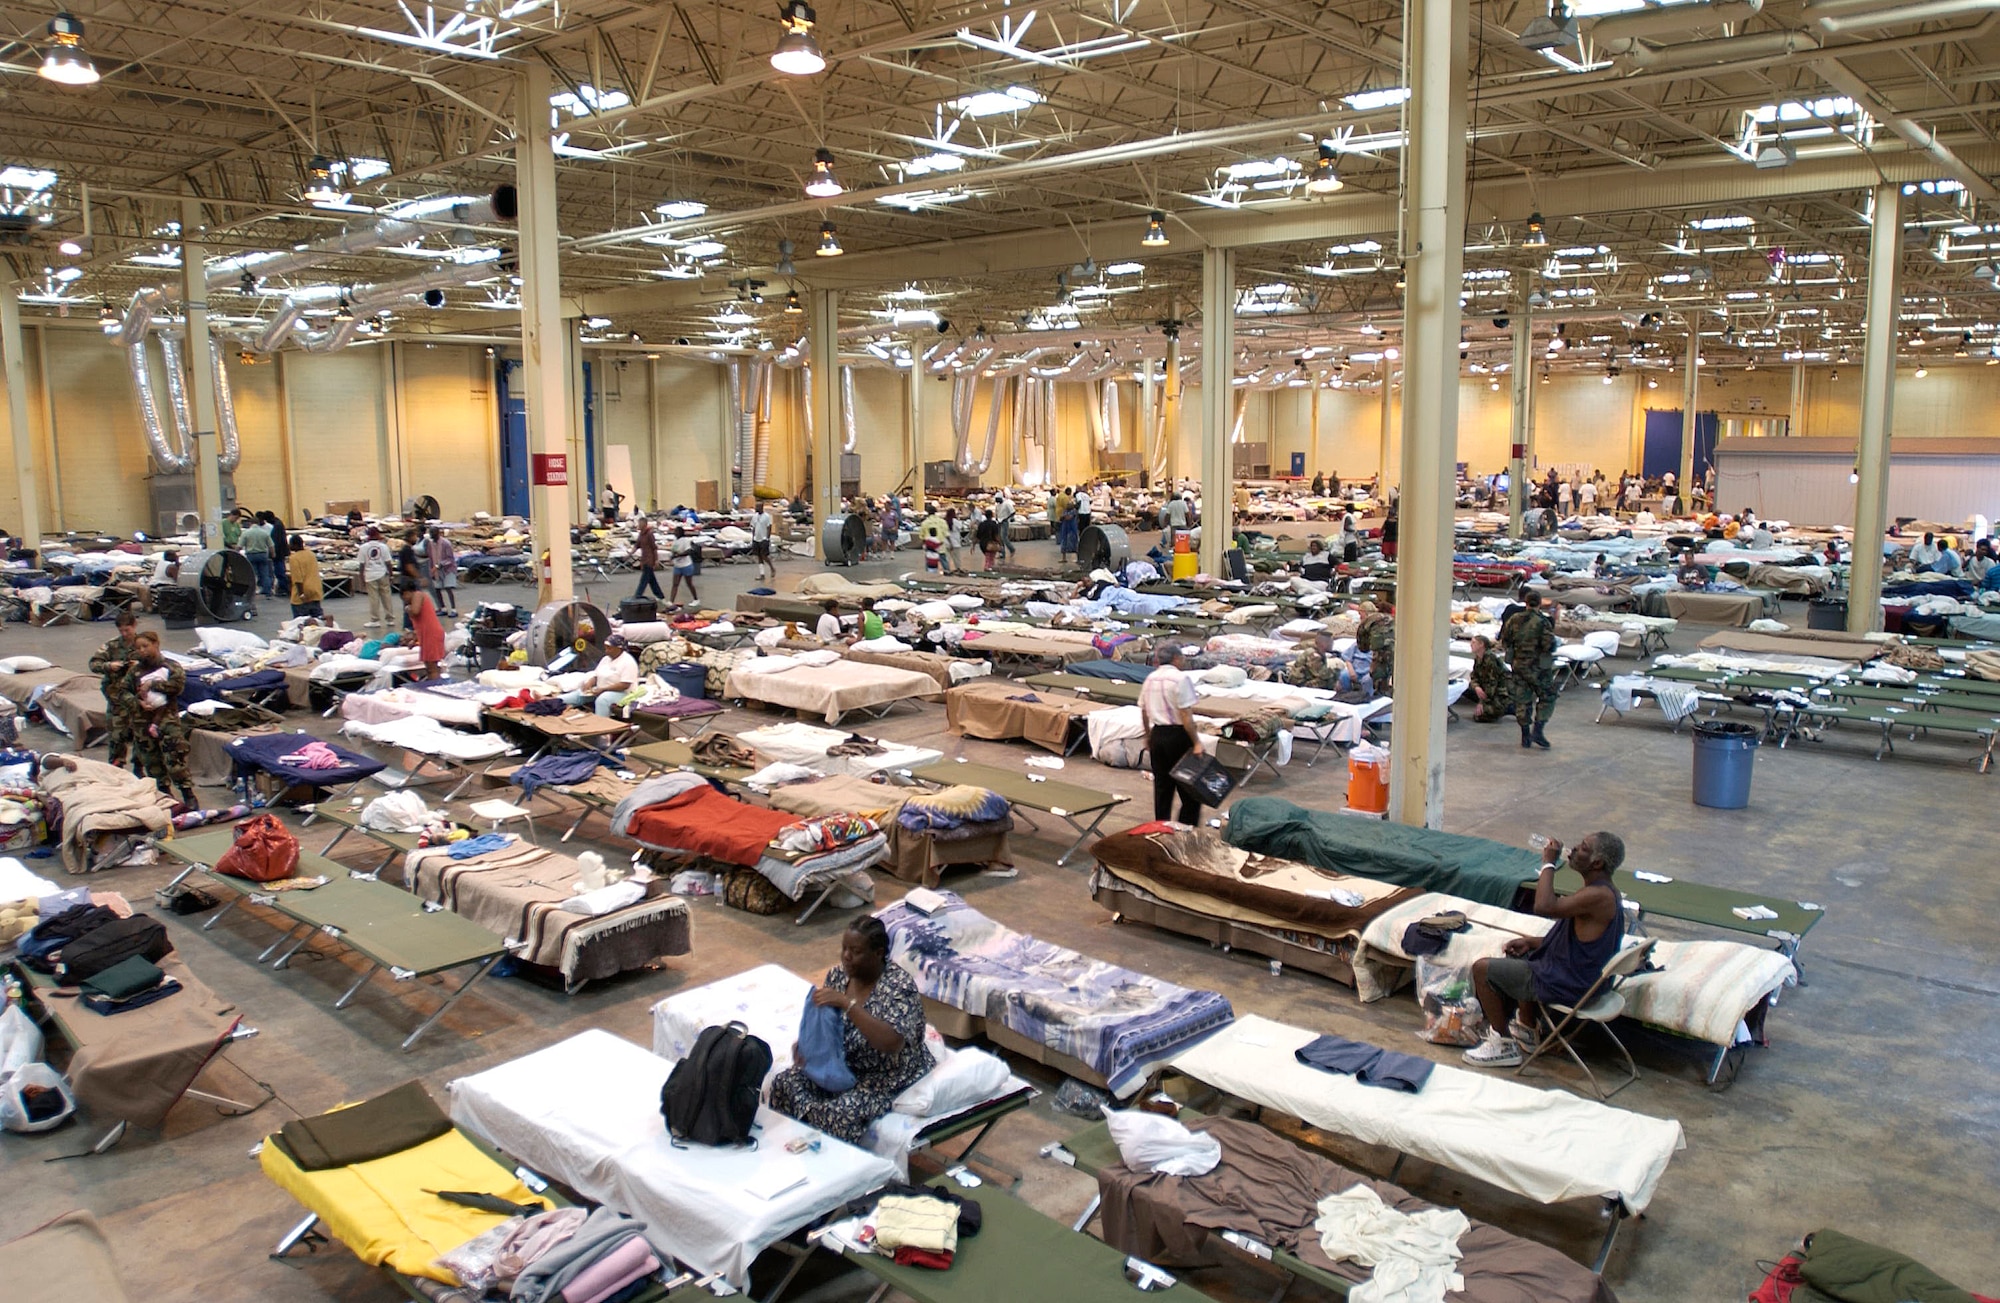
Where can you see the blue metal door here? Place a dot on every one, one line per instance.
(513, 444)
(591, 483)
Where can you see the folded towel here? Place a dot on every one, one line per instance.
(605, 900)
(624, 1264)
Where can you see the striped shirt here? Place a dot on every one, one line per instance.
(1163, 695)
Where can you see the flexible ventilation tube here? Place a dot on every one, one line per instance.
(966, 465)
(806, 403)
(1048, 432)
(1016, 418)
(1111, 419)
(149, 411)
(177, 396)
(848, 437)
(399, 225)
(1093, 412)
(139, 315)
(367, 300)
(1242, 406)
(760, 456)
(231, 452)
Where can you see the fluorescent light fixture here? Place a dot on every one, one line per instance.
(1358, 247)
(733, 315)
(992, 103)
(1728, 222)
(164, 258)
(1743, 296)
(938, 162)
(797, 54)
(366, 169)
(1257, 168)
(914, 317)
(679, 210)
(597, 323)
(1134, 268)
(66, 64)
(68, 274)
(34, 180)
(587, 99)
(704, 249)
(678, 269)
(1582, 251)
(822, 184)
(917, 200)
(1386, 98)
(1156, 231)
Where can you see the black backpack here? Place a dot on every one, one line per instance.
(711, 1095)
(58, 930)
(113, 943)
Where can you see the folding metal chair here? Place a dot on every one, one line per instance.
(1603, 1004)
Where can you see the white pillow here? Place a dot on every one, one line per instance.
(1225, 676)
(965, 1078)
(23, 665)
(220, 642)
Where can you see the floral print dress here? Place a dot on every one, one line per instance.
(878, 1077)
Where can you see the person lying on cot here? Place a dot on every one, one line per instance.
(1560, 967)
(882, 1035)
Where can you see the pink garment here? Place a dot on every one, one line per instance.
(430, 634)
(612, 1272)
(313, 755)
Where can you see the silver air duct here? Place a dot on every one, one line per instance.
(370, 299)
(230, 454)
(965, 464)
(399, 225)
(1110, 417)
(848, 437)
(761, 453)
(139, 315)
(177, 395)
(164, 456)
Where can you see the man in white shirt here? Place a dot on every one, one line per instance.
(1165, 699)
(1563, 492)
(1586, 497)
(1003, 516)
(374, 559)
(828, 628)
(614, 676)
(760, 543)
(1350, 537)
(1924, 555)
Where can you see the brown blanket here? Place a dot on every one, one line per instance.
(1834, 648)
(1269, 1188)
(913, 856)
(136, 1065)
(935, 664)
(96, 800)
(1200, 863)
(388, 1124)
(990, 709)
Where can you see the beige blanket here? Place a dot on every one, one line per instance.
(98, 800)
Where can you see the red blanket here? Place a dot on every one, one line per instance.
(706, 822)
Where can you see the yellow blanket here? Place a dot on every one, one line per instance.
(380, 1211)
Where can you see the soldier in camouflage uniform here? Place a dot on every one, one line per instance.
(1489, 682)
(1315, 668)
(121, 707)
(1377, 637)
(1529, 637)
(160, 735)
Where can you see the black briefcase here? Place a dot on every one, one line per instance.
(1199, 778)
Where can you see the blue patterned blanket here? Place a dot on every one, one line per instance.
(1117, 1021)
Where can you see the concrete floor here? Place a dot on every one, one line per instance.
(1875, 1100)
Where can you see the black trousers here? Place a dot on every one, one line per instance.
(647, 577)
(1167, 743)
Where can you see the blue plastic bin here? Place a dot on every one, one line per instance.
(1724, 755)
(686, 677)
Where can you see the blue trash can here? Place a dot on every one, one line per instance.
(686, 677)
(1724, 754)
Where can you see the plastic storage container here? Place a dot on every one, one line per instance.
(1724, 755)
(686, 677)
(1827, 613)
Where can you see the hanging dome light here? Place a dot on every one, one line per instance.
(797, 53)
(829, 243)
(822, 184)
(320, 187)
(343, 312)
(1537, 233)
(1156, 231)
(792, 308)
(66, 63)
(1324, 179)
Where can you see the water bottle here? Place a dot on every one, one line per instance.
(1538, 841)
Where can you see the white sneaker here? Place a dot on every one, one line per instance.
(1523, 1035)
(371, 624)
(1496, 1051)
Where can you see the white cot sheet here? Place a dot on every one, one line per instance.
(586, 1111)
(1545, 1145)
(1702, 988)
(769, 1000)
(427, 737)
(807, 745)
(403, 703)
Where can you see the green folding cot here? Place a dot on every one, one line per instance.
(391, 929)
(1066, 801)
(1696, 902)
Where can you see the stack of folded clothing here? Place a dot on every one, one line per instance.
(128, 984)
(916, 1225)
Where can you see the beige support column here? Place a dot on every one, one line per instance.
(1690, 398)
(1796, 426)
(1433, 241)
(27, 480)
(544, 360)
(288, 456)
(1388, 406)
(201, 373)
(823, 355)
(1148, 409)
(652, 435)
(913, 439)
(50, 434)
(1314, 464)
(1521, 455)
(1218, 404)
(1878, 395)
(1170, 398)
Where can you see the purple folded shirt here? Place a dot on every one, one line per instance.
(632, 1259)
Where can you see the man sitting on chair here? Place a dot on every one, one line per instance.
(1560, 968)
